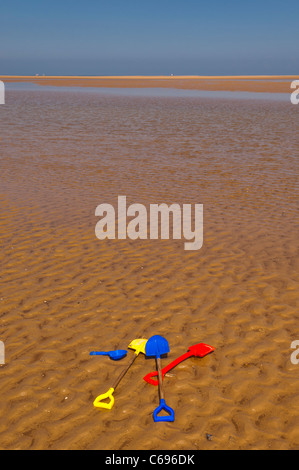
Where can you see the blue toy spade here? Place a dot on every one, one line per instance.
(157, 346)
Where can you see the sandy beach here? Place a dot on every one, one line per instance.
(262, 84)
(64, 293)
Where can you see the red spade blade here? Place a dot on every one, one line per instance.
(201, 350)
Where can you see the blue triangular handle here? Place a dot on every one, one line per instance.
(161, 407)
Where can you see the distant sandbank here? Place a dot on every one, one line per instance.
(247, 83)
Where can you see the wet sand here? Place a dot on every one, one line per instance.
(262, 84)
(64, 293)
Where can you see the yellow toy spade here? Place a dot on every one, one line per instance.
(139, 346)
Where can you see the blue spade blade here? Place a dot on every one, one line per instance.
(156, 346)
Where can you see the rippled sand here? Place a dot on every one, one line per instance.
(64, 293)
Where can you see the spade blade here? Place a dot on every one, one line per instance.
(156, 346)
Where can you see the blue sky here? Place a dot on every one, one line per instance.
(149, 37)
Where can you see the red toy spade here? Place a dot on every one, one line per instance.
(199, 350)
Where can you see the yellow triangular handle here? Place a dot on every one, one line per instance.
(98, 403)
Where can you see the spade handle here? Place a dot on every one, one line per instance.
(177, 361)
(162, 406)
(123, 373)
(150, 377)
(161, 388)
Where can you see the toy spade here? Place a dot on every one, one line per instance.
(199, 350)
(157, 346)
(139, 346)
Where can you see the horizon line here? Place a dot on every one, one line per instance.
(239, 77)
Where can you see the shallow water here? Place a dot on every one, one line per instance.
(155, 92)
(64, 293)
